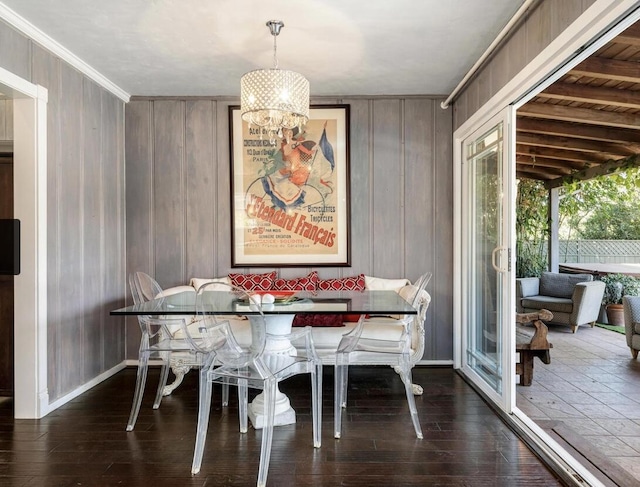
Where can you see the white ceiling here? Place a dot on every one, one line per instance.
(344, 47)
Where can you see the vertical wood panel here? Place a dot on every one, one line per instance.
(113, 235)
(388, 172)
(516, 56)
(563, 13)
(538, 28)
(8, 114)
(223, 191)
(92, 229)
(139, 202)
(484, 86)
(71, 326)
(439, 331)
(360, 179)
(3, 120)
(169, 193)
(419, 183)
(15, 52)
(139, 188)
(500, 69)
(201, 189)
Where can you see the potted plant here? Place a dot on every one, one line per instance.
(617, 286)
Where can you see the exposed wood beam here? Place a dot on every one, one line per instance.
(550, 165)
(560, 154)
(597, 67)
(593, 94)
(630, 36)
(551, 127)
(574, 144)
(525, 173)
(533, 173)
(581, 115)
(593, 172)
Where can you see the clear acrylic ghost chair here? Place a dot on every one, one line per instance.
(226, 362)
(355, 348)
(156, 340)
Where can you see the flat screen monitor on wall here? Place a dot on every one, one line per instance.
(9, 247)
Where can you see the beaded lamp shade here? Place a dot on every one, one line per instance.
(274, 99)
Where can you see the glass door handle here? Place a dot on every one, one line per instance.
(493, 259)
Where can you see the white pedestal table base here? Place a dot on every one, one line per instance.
(284, 413)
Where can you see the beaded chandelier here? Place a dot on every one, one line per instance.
(274, 99)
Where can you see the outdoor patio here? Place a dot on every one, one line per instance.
(588, 399)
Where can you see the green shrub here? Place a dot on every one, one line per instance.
(617, 286)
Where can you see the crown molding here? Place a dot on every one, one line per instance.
(36, 35)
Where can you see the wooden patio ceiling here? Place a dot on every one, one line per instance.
(588, 122)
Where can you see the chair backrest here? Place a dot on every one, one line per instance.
(416, 295)
(214, 334)
(143, 287)
(561, 285)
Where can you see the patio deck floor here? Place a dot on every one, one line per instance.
(589, 397)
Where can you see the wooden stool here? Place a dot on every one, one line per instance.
(531, 342)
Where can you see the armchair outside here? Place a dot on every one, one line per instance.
(631, 306)
(574, 299)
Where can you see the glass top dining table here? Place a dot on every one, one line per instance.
(327, 302)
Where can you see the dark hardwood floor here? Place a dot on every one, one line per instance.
(84, 443)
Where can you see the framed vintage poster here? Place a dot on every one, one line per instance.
(290, 196)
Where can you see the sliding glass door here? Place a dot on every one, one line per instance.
(485, 259)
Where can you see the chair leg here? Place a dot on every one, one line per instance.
(141, 379)
(574, 328)
(316, 404)
(341, 378)
(204, 407)
(634, 353)
(267, 430)
(243, 404)
(405, 375)
(225, 395)
(164, 375)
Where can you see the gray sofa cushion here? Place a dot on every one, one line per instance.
(561, 285)
(561, 305)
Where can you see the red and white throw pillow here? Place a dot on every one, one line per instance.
(318, 319)
(354, 283)
(254, 282)
(307, 283)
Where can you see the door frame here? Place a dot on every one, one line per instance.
(31, 397)
(507, 337)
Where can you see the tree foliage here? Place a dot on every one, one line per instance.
(603, 208)
(531, 228)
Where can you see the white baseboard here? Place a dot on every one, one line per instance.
(85, 387)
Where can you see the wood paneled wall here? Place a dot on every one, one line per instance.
(533, 34)
(6, 120)
(178, 202)
(85, 215)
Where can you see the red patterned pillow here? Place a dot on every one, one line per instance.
(317, 320)
(253, 282)
(307, 283)
(355, 283)
(351, 318)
